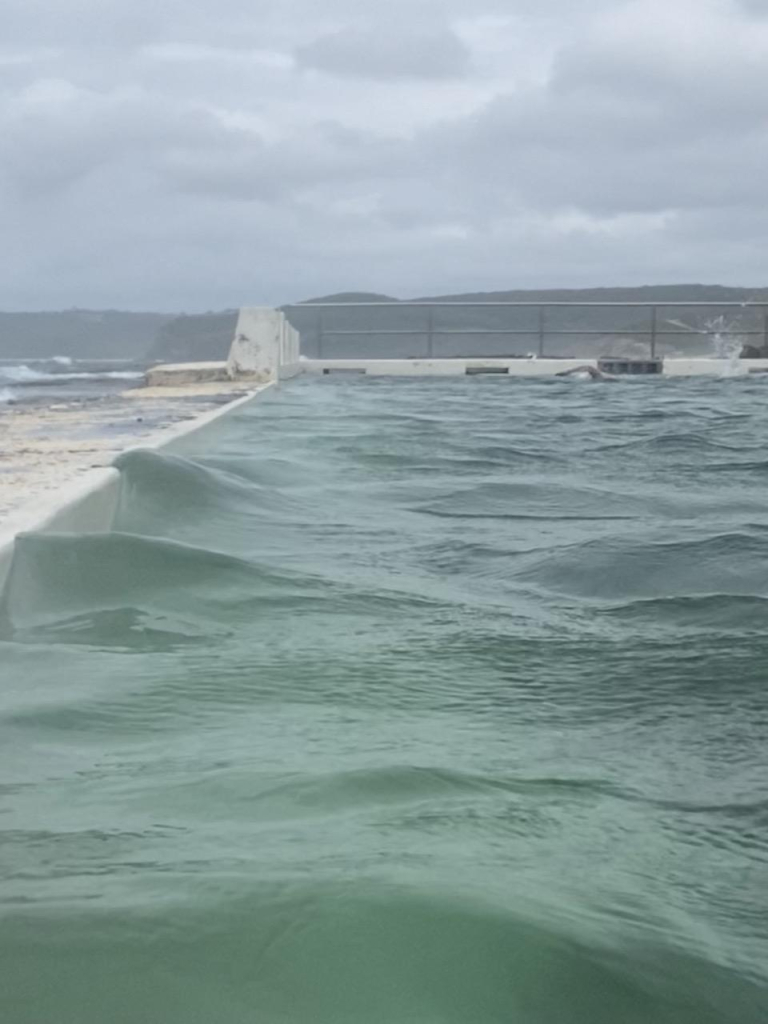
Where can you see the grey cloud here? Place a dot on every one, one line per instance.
(618, 127)
(86, 22)
(720, 74)
(180, 160)
(381, 52)
(244, 168)
(247, 23)
(54, 134)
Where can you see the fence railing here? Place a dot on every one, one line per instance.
(655, 314)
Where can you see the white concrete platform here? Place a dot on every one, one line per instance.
(713, 367)
(443, 367)
(519, 367)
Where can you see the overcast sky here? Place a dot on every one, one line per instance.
(200, 154)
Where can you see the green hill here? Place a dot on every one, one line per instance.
(195, 338)
(79, 333)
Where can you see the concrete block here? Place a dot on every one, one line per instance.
(173, 375)
(256, 350)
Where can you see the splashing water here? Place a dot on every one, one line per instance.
(21, 374)
(727, 345)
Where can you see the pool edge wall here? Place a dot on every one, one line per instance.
(88, 503)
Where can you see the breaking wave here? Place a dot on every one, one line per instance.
(23, 375)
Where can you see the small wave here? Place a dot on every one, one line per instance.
(475, 561)
(58, 577)
(728, 563)
(731, 612)
(533, 501)
(685, 442)
(125, 629)
(505, 455)
(758, 466)
(345, 791)
(333, 949)
(363, 789)
(177, 477)
(7, 397)
(268, 472)
(170, 496)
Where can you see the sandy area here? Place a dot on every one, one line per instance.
(43, 446)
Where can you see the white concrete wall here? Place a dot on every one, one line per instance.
(89, 504)
(522, 367)
(712, 367)
(445, 367)
(288, 364)
(266, 346)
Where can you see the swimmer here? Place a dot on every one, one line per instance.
(584, 372)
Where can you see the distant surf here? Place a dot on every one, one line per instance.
(35, 379)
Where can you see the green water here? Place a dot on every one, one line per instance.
(408, 702)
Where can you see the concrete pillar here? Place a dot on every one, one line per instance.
(255, 352)
(266, 346)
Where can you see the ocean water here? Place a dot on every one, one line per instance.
(401, 702)
(44, 380)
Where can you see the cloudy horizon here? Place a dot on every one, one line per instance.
(199, 155)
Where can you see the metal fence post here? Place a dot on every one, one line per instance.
(654, 325)
(542, 330)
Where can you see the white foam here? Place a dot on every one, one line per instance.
(6, 396)
(107, 375)
(24, 374)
